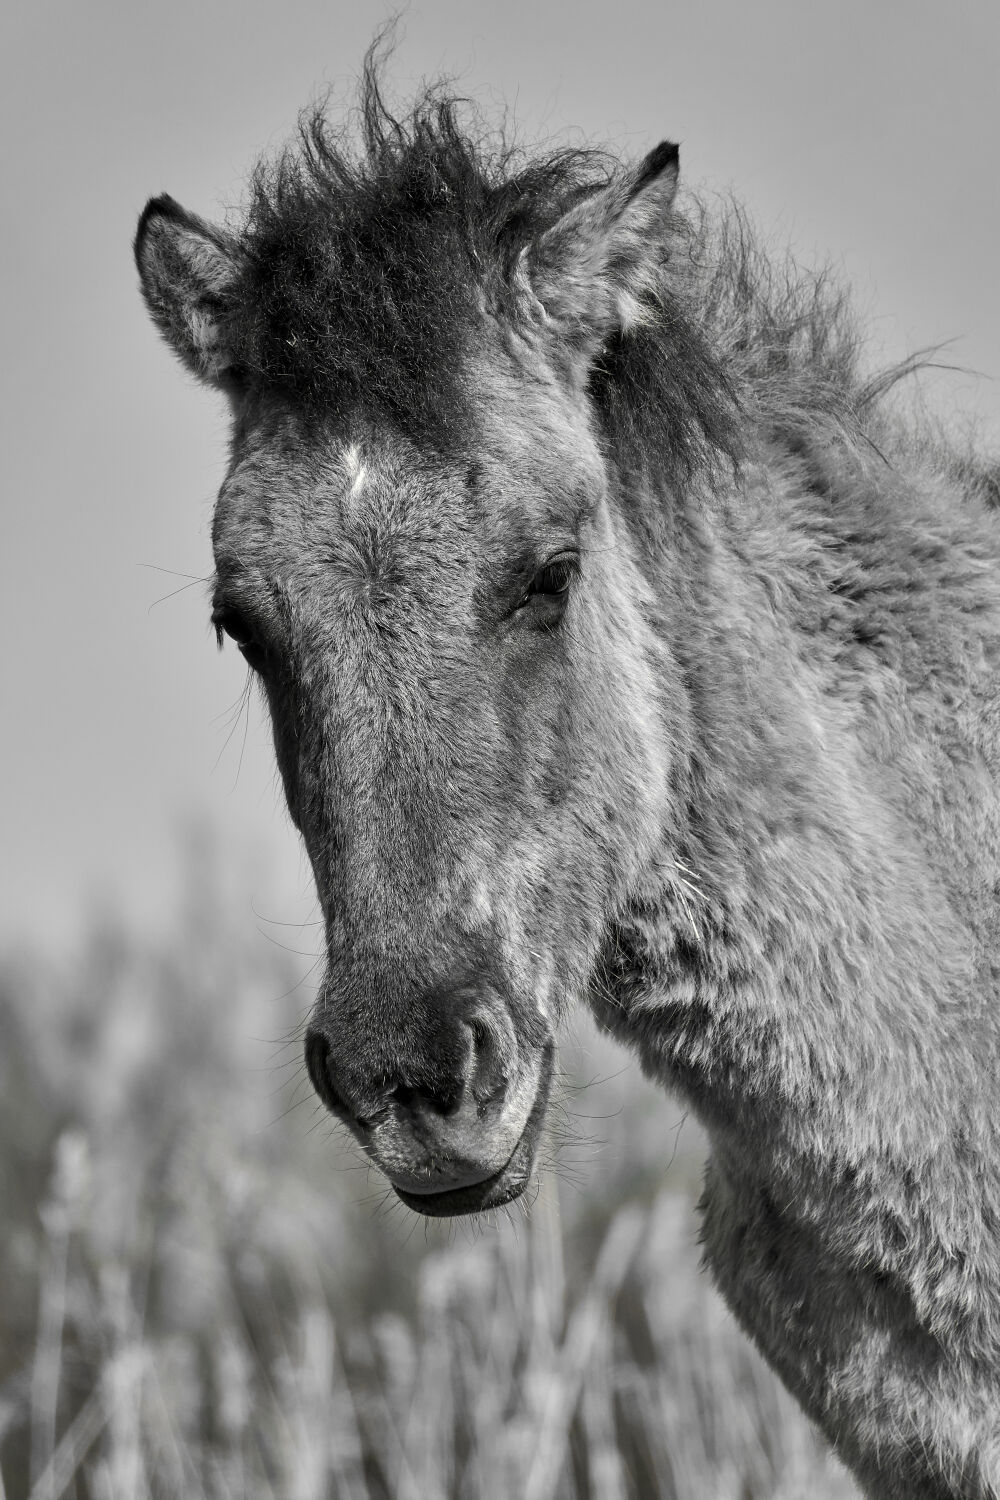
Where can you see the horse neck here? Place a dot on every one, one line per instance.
(795, 963)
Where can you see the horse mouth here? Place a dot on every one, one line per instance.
(503, 1186)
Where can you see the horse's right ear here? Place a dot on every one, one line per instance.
(188, 272)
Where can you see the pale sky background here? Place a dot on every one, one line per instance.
(866, 132)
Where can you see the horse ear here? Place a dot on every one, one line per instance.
(188, 272)
(593, 272)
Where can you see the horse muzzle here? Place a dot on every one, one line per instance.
(461, 1144)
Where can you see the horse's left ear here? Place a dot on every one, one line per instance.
(594, 271)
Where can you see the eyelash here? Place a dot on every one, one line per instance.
(552, 582)
(229, 622)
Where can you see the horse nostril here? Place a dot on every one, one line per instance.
(492, 1101)
(488, 1077)
(317, 1051)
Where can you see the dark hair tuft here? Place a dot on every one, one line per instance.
(367, 251)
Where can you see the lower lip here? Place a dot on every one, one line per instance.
(503, 1187)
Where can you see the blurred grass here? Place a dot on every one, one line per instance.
(203, 1292)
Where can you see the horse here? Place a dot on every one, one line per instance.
(625, 644)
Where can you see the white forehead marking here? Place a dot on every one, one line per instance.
(356, 471)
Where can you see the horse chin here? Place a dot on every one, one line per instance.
(476, 1197)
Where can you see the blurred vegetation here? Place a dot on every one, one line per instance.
(204, 1293)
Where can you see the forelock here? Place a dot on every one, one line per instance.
(374, 258)
(369, 254)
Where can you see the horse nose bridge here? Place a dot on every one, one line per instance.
(401, 863)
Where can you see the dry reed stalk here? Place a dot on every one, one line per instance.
(587, 1323)
(182, 1477)
(58, 1215)
(68, 1456)
(604, 1465)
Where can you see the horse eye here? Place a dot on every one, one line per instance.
(553, 581)
(230, 622)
